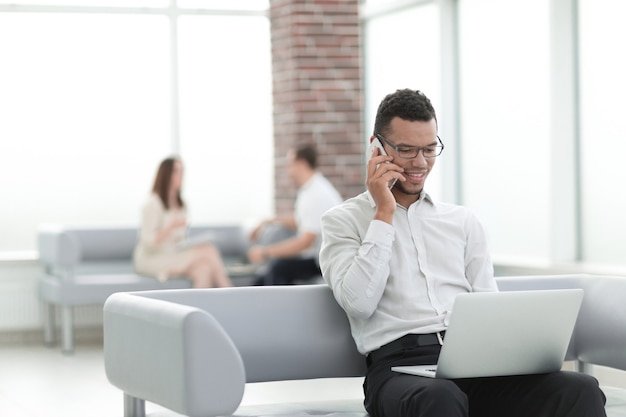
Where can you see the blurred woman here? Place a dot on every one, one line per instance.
(159, 252)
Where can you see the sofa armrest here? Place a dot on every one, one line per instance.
(173, 355)
(600, 335)
(57, 247)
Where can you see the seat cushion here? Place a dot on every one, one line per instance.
(335, 408)
(95, 289)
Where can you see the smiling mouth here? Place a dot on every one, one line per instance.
(415, 175)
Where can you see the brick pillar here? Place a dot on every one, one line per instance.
(316, 68)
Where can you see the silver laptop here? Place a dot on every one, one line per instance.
(505, 333)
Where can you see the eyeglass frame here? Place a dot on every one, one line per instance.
(417, 148)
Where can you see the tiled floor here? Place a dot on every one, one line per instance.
(39, 382)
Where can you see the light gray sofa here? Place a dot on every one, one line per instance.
(193, 351)
(85, 265)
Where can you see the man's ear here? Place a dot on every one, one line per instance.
(372, 138)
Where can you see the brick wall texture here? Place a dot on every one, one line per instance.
(316, 66)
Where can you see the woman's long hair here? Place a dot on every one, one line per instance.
(163, 180)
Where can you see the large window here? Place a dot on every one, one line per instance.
(226, 120)
(534, 93)
(505, 122)
(89, 106)
(603, 127)
(402, 51)
(92, 97)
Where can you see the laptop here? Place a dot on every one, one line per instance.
(505, 333)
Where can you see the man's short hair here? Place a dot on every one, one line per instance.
(308, 154)
(407, 104)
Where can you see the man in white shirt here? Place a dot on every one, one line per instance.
(395, 260)
(297, 258)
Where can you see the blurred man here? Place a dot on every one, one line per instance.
(296, 258)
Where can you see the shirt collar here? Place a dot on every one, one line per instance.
(310, 181)
(423, 196)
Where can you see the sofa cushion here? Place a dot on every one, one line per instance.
(95, 289)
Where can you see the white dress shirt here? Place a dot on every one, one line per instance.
(314, 198)
(397, 279)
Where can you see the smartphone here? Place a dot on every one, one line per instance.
(376, 144)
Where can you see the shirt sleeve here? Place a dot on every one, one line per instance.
(151, 219)
(478, 263)
(355, 268)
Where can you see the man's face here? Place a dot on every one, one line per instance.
(417, 134)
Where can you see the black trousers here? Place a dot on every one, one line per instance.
(286, 271)
(392, 394)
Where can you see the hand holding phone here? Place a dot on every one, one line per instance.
(376, 144)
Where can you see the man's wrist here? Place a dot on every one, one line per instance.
(386, 217)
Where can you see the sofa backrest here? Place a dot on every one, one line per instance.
(300, 332)
(88, 247)
(105, 244)
(281, 332)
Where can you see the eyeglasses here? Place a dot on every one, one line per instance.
(410, 152)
